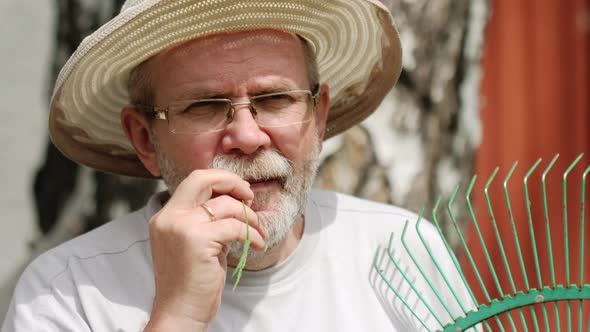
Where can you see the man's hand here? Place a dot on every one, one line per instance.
(189, 249)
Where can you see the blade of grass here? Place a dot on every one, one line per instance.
(242, 263)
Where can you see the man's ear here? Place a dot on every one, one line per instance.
(138, 130)
(322, 110)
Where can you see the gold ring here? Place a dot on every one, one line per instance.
(209, 212)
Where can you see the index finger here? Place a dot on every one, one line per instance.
(200, 186)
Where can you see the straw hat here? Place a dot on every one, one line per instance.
(355, 41)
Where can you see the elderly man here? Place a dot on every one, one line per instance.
(229, 103)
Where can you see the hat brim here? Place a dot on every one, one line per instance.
(356, 43)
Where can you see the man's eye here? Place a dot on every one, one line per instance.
(278, 97)
(203, 108)
(276, 100)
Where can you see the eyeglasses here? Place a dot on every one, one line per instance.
(278, 109)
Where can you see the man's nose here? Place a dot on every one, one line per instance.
(242, 134)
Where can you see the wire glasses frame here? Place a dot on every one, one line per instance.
(277, 109)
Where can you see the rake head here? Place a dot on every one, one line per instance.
(505, 279)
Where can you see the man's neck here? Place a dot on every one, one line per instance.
(278, 253)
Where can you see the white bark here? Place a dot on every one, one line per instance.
(420, 143)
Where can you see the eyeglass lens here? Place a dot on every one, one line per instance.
(269, 110)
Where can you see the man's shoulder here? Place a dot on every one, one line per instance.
(109, 240)
(350, 205)
(90, 269)
(365, 216)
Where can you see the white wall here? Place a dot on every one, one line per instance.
(26, 37)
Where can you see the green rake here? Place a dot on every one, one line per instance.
(436, 292)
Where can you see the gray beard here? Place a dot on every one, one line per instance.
(296, 179)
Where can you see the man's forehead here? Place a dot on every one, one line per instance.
(219, 43)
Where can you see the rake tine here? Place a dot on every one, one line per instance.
(530, 219)
(391, 258)
(582, 239)
(565, 224)
(517, 242)
(406, 278)
(533, 239)
(548, 232)
(450, 251)
(435, 261)
(393, 289)
(582, 227)
(512, 223)
(469, 256)
(498, 238)
(566, 236)
(428, 281)
(495, 225)
(467, 251)
(480, 236)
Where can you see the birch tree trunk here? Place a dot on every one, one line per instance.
(416, 147)
(420, 143)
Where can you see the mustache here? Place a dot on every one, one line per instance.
(262, 166)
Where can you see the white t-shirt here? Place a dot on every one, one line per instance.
(103, 280)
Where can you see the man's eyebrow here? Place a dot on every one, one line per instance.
(200, 94)
(276, 86)
(254, 88)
